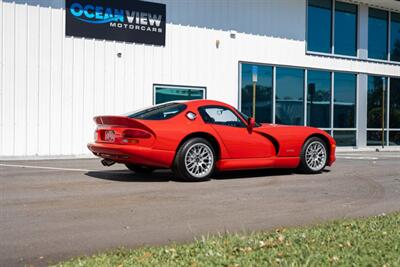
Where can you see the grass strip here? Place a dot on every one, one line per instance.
(373, 241)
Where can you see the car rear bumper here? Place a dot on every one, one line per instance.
(133, 154)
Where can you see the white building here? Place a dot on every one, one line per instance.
(322, 63)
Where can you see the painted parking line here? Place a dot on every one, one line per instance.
(369, 155)
(362, 158)
(45, 168)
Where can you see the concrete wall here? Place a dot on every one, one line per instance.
(51, 85)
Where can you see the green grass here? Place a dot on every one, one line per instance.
(372, 241)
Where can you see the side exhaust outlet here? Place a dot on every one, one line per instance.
(107, 162)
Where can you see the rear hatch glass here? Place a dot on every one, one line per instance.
(159, 112)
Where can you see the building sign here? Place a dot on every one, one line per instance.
(119, 20)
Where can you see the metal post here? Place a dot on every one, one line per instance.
(254, 100)
(254, 72)
(383, 111)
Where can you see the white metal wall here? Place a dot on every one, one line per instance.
(51, 86)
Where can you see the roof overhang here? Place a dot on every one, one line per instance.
(386, 4)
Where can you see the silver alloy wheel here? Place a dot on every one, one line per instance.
(316, 156)
(199, 160)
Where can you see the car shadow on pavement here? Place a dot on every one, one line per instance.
(168, 176)
(258, 173)
(252, 173)
(129, 176)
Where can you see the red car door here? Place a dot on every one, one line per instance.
(233, 132)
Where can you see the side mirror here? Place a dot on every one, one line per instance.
(251, 122)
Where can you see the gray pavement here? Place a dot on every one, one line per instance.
(51, 210)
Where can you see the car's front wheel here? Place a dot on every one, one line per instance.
(139, 169)
(195, 160)
(313, 156)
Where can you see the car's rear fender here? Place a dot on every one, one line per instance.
(217, 145)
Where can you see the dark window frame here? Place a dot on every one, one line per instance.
(355, 100)
(388, 21)
(332, 31)
(331, 39)
(183, 87)
(392, 17)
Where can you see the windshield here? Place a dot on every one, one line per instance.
(159, 112)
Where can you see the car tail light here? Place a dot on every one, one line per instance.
(139, 134)
(96, 135)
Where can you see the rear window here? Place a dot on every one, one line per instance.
(159, 112)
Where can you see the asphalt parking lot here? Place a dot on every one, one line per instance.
(55, 209)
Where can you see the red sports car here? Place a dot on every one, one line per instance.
(195, 138)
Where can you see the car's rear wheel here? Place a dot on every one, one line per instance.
(139, 169)
(195, 160)
(313, 156)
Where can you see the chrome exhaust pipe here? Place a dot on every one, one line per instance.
(107, 162)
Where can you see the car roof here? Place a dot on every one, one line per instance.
(204, 102)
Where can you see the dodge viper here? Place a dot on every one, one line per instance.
(195, 138)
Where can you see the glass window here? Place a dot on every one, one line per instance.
(319, 99)
(263, 92)
(395, 37)
(374, 138)
(394, 138)
(345, 138)
(159, 112)
(394, 117)
(377, 34)
(345, 100)
(164, 93)
(289, 96)
(374, 106)
(345, 29)
(319, 28)
(221, 116)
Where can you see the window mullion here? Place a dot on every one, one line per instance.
(387, 84)
(305, 96)
(389, 24)
(333, 28)
(273, 94)
(332, 97)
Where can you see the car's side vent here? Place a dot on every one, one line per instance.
(273, 141)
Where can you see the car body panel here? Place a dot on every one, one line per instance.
(265, 146)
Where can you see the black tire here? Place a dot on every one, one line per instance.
(139, 169)
(305, 167)
(180, 168)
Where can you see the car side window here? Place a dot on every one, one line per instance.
(220, 115)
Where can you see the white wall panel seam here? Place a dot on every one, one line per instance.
(50, 79)
(94, 79)
(26, 75)
(115, 75)
(72, 96)
(83, 92)
(104, 76)
(38, 83)
(61, 78)
(14, 77)
(1, 76)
